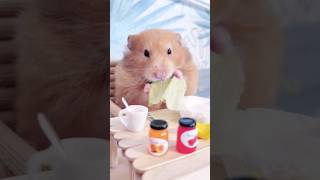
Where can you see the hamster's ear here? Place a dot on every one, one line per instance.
(131, 39)
(179, 38)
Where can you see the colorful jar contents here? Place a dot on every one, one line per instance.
(203, 130)
(158, 136)
(187, 137)
(203, 127)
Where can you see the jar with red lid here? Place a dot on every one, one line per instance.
(187, 137)
(158, 137)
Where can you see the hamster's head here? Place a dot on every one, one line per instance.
(156, 53)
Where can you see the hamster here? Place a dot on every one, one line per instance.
(62, 69)
(153, 55)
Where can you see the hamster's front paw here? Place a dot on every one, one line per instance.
(160, 105)
(178, 74)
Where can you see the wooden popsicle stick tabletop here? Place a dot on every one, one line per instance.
(135, 145)
(198, 161)
(127, 143)
(143, 160)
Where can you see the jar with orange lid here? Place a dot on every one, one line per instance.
(158, 137)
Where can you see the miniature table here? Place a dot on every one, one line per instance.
(144, 165)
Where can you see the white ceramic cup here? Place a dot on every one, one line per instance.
(87, 158)
(134, 117)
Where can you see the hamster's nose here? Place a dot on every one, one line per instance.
(160, 75)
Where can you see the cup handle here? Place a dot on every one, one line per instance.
(35, 163)
(123, 113)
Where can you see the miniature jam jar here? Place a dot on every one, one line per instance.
(187, 137)
(158, 136)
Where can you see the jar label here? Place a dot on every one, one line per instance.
(189, 138)
(158, 146)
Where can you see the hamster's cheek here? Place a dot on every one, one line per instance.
(148, 74)
(178, 58)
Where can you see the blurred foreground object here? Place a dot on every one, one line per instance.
(255, 32)
(14, 151)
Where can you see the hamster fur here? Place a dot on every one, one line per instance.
(138, 67)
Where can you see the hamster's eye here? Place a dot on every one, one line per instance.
(169, 51)
(146, 53)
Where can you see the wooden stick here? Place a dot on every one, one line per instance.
(113, 64)
(114, 153)
(179, 168)
(111, 93)
(112, 77)
(112, 70)
(112, 85)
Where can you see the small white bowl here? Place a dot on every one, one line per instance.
(197, 108)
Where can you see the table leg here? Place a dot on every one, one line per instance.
(131, 172)
(138, 176)
(133, 175)
(114, 153)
